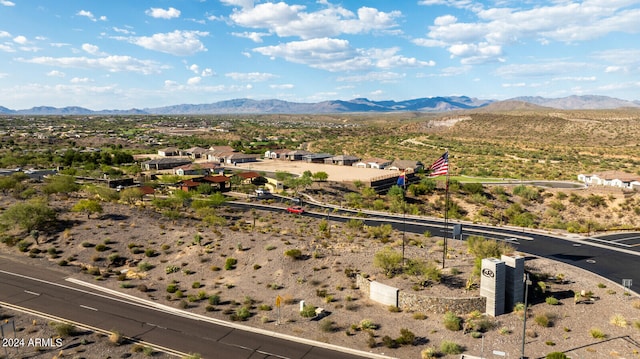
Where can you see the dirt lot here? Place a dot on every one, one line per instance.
(158, 252)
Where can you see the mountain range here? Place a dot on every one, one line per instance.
(425, 104)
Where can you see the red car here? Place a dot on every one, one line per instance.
(296, 210)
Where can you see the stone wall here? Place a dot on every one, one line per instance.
(429, 304)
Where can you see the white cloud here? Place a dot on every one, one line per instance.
(194, 68)
(373, 77)
(86, 14)
(123, 31)
(207, 72)
(109, 63)
(179, 43)
(158, 13)
(7, 3)
(612, 69)
(550, 68)
(55, 73)
(194, 80)
(4, 34)
(494, 28)
(241, 3)
(80, 80)
(253, 36)
(282, 86)
(292, 20)
(250, 76)
(20, 40)
(7, 48)
(337, 55)
(91, 49)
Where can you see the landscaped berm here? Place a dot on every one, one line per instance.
(232, 264)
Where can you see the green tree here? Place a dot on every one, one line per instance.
(34, 214)
(88, 206)
(388, 260)
(320, 176)
(131, 195)
(60, 184)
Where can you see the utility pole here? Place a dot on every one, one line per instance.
(527, 282)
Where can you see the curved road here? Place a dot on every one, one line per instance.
(605, 259)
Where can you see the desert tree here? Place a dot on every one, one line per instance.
(88, 206)
(30, 215)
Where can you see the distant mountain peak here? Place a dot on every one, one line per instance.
(424, 104)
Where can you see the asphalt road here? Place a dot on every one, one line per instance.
(607, 259)
(46, 291)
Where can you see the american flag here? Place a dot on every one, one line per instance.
(440, 166)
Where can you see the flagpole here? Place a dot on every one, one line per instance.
(446, 216)
(404, 214)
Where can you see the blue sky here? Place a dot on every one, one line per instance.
(121, 54)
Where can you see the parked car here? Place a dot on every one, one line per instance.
(295, 209)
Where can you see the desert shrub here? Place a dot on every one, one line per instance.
(241, 314)
(196, 285)
(552, 301)
(214, 299)
(389, 342)
(381, 232)
(101, 247)
(419, 316)
(429, 353)
(172, 288)
(449, 347)
(293, 253)
(556, 355)
(115, 338)
(171, 269)
(24, 245)
(327, 325)
(308, 311)
(452, 321)
(64, 330)
(618, 320)
(406, 337)
(597, 333)
(366, 324)
(145, 266)
(388, 260)
(542, 320)
(230, 263)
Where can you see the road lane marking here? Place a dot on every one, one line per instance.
(87, 307)
(32, 293)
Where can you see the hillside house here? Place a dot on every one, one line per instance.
(611, 178)
(342, 160)
(169, 151)
(296, 155)
(379, 163)
(316, 157)
(165, 163)
(200, 168)
(279, 154)
(405, 166)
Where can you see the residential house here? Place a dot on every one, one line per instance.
(218, 153)
(169, 151)
(278, 154)
(342, 160)
(379, 163)
(164, 163)
(316, 157)
(248, 177)
(296, 155)
(238, 157)
(219, 180)
(194, 152)
(199, 168)
(405, 165)
(612, 178)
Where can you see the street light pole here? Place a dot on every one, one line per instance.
(524, 323)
